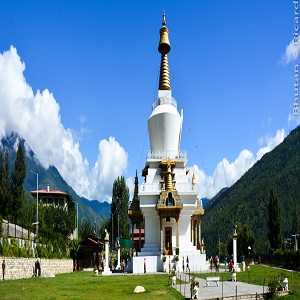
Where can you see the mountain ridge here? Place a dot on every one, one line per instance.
(246, 201)
(89, 210)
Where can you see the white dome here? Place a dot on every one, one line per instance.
(164, 125)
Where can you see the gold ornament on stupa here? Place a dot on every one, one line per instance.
(199, 211)
(164, 48)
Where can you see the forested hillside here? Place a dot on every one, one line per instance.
(246, 202)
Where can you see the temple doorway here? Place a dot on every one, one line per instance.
(168, 240)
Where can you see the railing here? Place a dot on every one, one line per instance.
(15, 231)
(168, 154)
(187, 187)
(150, 187)
(180, 187)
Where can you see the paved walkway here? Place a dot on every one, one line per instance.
(228, 289)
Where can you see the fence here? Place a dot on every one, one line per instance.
(247, 288)
(15, 231)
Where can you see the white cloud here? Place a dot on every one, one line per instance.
(130, 184)
(292, 51)
(36, 117)
(268, 143)
(83, 131)
(112, 159)
(227, 173)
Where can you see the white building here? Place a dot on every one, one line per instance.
(168, 197)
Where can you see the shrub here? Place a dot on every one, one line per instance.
(54, 249)
(286, 258)
(274, 286)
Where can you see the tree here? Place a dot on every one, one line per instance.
(274, 224)
(86, 229)
(119, 210)
(74, 249)
(295, 228)
(17, 181)
(5, 196)
(56, 222)
(1, 189)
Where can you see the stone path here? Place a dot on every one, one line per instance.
(229, 288)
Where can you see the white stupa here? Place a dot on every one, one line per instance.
(168, 197)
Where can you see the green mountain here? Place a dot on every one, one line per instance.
(246, 201)
(89, 210)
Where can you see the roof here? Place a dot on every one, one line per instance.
(49, 192)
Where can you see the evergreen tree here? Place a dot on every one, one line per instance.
(1, 190)
(18, 178)
(274, 223)
(86, 229)
(295, 228)
(119, 210)
(5, 196)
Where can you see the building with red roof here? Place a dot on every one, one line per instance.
(52, 197)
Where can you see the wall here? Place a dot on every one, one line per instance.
(17, 268)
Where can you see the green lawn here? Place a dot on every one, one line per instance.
(85, 285)
(260, 275)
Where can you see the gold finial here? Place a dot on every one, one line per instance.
(164, 48)
(164, 22)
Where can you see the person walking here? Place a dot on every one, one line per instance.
(217, 263)
(37, 268)
(3, 269)
(211, 263)
(187, 264)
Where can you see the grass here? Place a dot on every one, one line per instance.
(262, 275)
(85, 285)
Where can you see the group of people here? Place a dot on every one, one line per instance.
(36, 269)
(100, 260)
(114, 263)
(214, 262)
(174, 264)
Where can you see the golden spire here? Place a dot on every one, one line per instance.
(169, 179)
(164, 48)
(167, 166)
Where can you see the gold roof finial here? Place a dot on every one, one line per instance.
(164, 22)
(164, 48)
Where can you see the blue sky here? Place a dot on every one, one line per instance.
(100, 60)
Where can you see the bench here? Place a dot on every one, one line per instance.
(215, 279)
